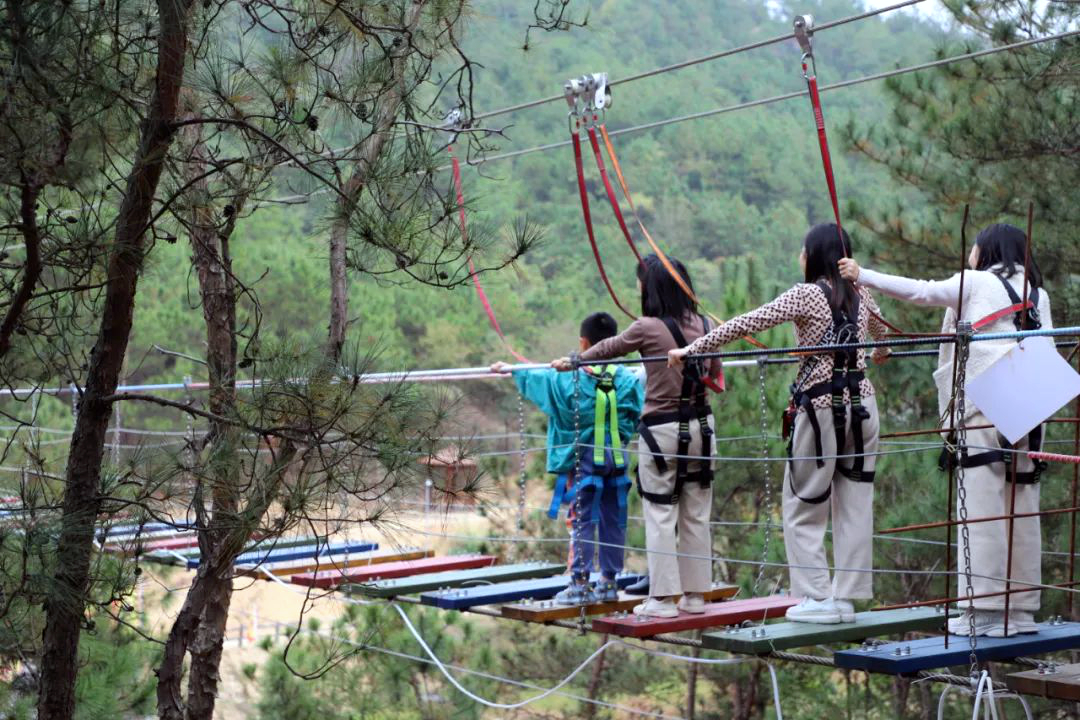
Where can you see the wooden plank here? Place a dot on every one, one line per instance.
(276, 554)
(1064, 684)
(1058, 682)
(331, 562)
(927, 653)
(407, 568)
(542, 588)
(180, 557)
(548, 611)
(180, 542)
(719, 614)
(455, 578)
(786, 635)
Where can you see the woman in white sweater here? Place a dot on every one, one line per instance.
(996, 282)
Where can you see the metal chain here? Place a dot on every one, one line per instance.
(575, 483)
(524, 458)
(963, 347)
(769, 500)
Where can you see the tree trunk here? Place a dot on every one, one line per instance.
(368, 154)
(203, 630)
(691, 683)
(594, 682)
(66, 603)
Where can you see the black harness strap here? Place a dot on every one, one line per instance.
(947, 460)
(846, 376)
(693, 402)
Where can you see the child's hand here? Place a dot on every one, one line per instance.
(675, 357)
(880, 355)
(849, 269)
(562, 364)
(500, 367)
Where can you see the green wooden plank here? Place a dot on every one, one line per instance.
(453, 578)
(763, 639)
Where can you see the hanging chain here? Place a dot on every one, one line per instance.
(575, 483)
(963, 339)
(521, 475)
(769, 509)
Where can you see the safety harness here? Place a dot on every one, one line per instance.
(692, 403)
(1019, 308)
(846, 376)
(605, 439)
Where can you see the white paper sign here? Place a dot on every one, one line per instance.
(1024, 387)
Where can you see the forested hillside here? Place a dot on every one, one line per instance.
(731, 195)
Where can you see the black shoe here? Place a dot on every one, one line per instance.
(641, 587)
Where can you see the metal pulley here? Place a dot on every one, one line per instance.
(804, 31)
(587, 93)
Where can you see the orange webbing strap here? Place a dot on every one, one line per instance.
(675, 274)
(611, 191)
(472, 269)
(583, 192)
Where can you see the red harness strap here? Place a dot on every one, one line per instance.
(611, 191)
(583, 192)
(994, 316)
(830, 179)
(472, 268)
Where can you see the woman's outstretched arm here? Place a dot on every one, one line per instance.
(930, 293)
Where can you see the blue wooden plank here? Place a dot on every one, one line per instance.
(538, 589)
(902, 658)
(134, 528)
(271, 554)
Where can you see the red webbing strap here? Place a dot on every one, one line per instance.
(583, 192)
(994, 316)
(611, 192)
(472, 268)
(830, 179)
(652, 243)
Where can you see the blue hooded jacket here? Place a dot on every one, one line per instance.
(553, 393)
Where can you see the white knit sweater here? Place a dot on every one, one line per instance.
(983, 295)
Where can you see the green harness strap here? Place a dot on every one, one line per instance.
(607, 417)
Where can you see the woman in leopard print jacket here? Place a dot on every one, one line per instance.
(816, 480)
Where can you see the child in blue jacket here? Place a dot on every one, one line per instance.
(605, 407)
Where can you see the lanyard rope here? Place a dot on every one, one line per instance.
(583, 192)
(675, 274)
(611, 190)
(472, 268)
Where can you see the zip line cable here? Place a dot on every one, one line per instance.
(789, 96)
(703, 59)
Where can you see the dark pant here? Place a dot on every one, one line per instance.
(584, 528)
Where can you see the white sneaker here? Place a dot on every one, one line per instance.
(846, 610)
(1023, 622)
(656, 608)
(693, 603)
(809, 610)
(987, 622)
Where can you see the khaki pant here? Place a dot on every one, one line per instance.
(988, 495)
(682, 528)
(851, 504)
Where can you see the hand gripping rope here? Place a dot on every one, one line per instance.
(575, 89)
(453, 120)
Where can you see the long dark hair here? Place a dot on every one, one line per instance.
(661, 295)
(823, 255)
(1006, 245)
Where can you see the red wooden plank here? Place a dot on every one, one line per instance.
(719, 614)
(385, 571)
(177, 543)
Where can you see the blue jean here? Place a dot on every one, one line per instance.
(610, 526)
